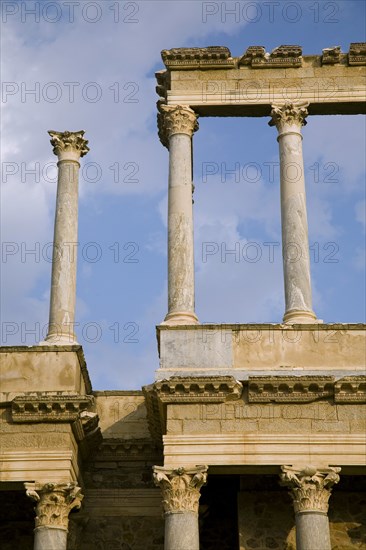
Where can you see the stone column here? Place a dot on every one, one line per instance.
(289, 119)
(54, 503)
(176, 127)
(69, 147)
(310, 489)
(181, 493)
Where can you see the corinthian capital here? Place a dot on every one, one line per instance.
(310, 488)
(64, 142)
(176, 119)
(54, 502)
(289, 114)
(180, 487)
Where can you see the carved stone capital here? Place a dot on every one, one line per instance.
(310, 488)
(289, 114)
(176, 119)
(69, 142)
(180, 487)
(54, 502)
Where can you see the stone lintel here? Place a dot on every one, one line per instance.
(294, 389)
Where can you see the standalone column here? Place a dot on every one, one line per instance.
(310, 490)
(181, 493)
(289, 119)
(54, 503)
(177, 125)
(69, 147)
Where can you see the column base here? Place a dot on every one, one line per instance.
(181, 318)
(59, 340)
(294, 316)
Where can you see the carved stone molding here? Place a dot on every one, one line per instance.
(310, 488)
(289, 389)
(289, 114)
(54, 502)
(129, 449)
(357, 53)
(280, 57)
(213, 389)
(350, 389)
(69, 141)
(49, 408)
(213, 57)
(180, 487)
(87, 432)
(176, 119)
(331, 56)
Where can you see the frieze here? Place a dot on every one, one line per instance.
(49, 408)
(281, 57)
(285, 389)
(350, 389)
(357, 53)
(213, 57)
(331, 56)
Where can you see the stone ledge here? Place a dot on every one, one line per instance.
(213, 389)
(284, 389)
(49, 408)
(304, 389)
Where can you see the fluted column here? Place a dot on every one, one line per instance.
(69, 147)
(289, 119)
(54, 503)
(310, 489)
(176, 127)
(181, 493)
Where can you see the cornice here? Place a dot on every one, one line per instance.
(50, 408)
(212, 389)
(304, 389)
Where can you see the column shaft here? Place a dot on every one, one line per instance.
(312, 531)
(46, 538)
(310, 489)
(178, 124)
(68, 146)
(295, 244)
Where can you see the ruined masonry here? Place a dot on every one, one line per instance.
(251, 436)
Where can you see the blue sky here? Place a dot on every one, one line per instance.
(110, 51)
